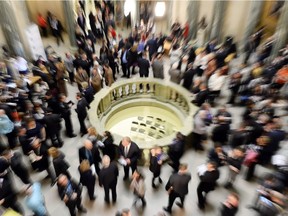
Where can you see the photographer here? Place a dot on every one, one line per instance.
(65, 111)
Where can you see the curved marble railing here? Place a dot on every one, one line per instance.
(126, 91)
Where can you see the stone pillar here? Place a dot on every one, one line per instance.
(253, 17)
(10, 28)
(281, 34)
(192, 13)
(71, 23)
(218, 19)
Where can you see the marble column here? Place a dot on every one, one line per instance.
(218, 19)
(281, 34)
(10, 28)
(71, 23)
(192, 14)
(253, 17)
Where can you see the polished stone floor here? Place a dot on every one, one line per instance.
(156, 198)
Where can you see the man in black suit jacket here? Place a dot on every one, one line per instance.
(207, 182)
(130, 152)
(82, 112)
(202, 95)
(108, 178)
(70, 192)
(177, 186)
(90, 153)
(53, 127)
(143, 65)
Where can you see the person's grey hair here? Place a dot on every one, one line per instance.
(128, 139)
(105, 161)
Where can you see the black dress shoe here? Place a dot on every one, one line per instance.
(72, 135)
(179, 204)
(167, 210)
(125, 178)
(93, 198)
(153, 185)
(82, 209)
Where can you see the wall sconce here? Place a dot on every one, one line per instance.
(160, 9)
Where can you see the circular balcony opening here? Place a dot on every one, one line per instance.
(144, 123)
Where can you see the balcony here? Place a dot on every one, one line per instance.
(148, 110)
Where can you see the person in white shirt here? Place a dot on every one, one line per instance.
(22, 65)
(216, 82)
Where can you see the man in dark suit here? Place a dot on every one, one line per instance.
(143, 65)
(108, 178)
(130, 153)
(81, 21)
(90, 153)
(53, 127)
(152, 46)
(82, 112)
(70, 192)
(202, 95)
(207, 183)
(177, 186)
(65, 111)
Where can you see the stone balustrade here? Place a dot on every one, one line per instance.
(138, 90)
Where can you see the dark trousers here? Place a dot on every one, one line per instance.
(44, 31)
(11, 137)
(68, 125)
(15, 206)
(200, 189)
(71, 76)
(196, 141)
(83, 128)
(71, 204)
(234, 91)
(124, 69)
(250, 172)
(58, 36)
(56, 139)
(22, 172)
(212, 96)
(91, 188)
(172, 196)
(113, 190)
(126, 170)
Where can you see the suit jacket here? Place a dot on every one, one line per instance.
(143, 65)
(109, 80)
(108, 176)
(179, 182)
(109, 148)
(208, 179)
(95, 155)
(87, 178)
(81, 78)
(75, 187)
(133, 153)
(53, 123)
(81, 108)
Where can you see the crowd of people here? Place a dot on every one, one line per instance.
(31, 115)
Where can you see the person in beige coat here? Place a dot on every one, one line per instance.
(60, 78)
(96, 80)
(108, 73)
(80, 77)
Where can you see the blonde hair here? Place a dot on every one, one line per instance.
(53, 152)
(92, 131)
(84, 166)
